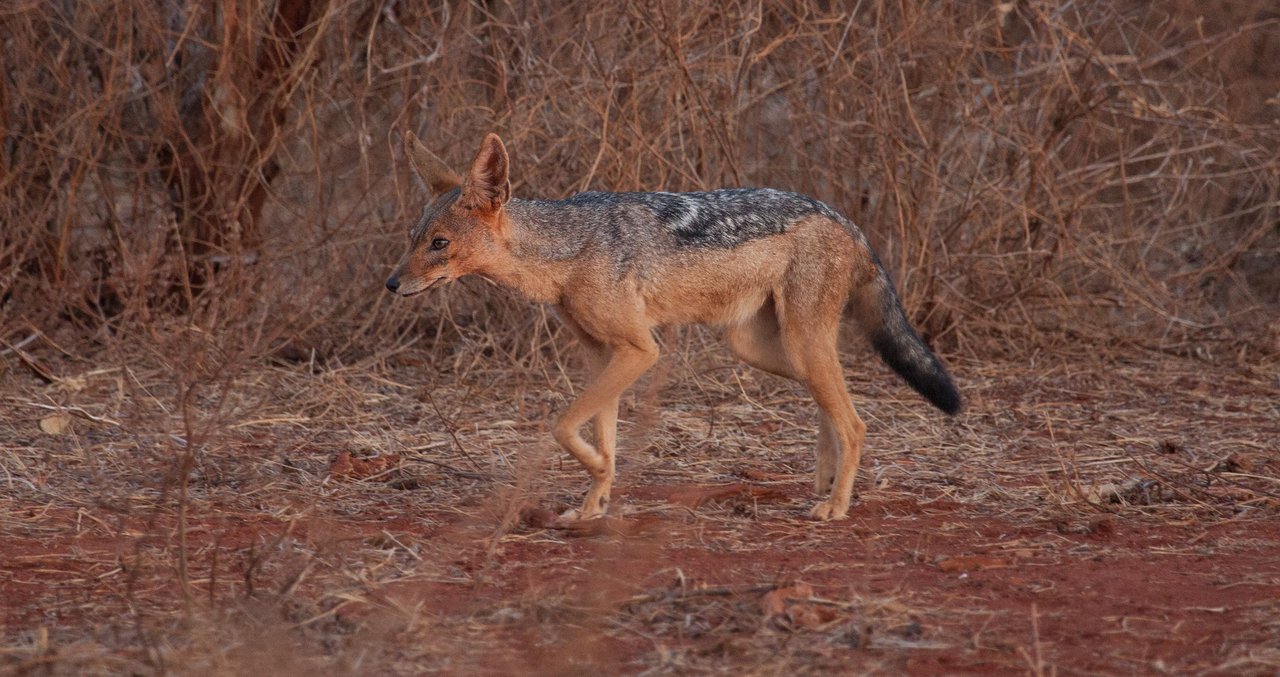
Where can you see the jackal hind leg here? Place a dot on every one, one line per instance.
(828, 455)
(812, 344)
(758, 342)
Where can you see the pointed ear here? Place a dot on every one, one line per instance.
(487, 186)
(431, 169)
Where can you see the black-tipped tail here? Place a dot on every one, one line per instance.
(901, 348)
(920, 368)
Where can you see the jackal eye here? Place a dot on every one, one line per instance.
(439, 243)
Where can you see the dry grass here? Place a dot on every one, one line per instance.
(431, 567)
(1078, 199)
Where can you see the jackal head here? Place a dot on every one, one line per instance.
(462, 228)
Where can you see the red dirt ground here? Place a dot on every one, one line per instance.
(953, 560)
(936, 586)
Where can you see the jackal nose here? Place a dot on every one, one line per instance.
(393, 283)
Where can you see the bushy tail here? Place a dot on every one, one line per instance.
(880, 313)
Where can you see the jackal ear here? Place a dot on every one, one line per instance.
(432, 170)
(487, 186)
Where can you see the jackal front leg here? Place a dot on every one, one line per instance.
(600, 401)
(606, 436)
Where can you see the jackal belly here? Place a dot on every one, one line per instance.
(717, 288)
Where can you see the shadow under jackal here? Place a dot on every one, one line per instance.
(774, 270)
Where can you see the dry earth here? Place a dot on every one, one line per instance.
(1101, 513)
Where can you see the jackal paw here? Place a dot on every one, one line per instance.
(580, 515)
(827, 511)
(570, 516)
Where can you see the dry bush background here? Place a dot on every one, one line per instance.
(200, 201)
(1029, 170)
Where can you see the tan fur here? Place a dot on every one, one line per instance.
(779, 298)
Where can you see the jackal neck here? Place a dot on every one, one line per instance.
(536, 259)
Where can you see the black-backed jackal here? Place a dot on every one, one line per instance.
(775, 270)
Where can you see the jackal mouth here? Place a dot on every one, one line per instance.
(433, 284)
